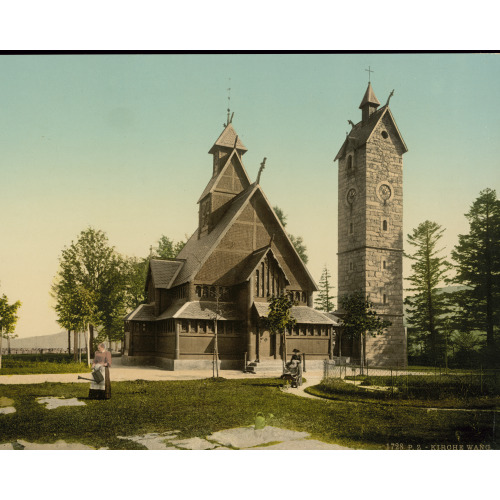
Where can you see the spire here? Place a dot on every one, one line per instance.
(369, 104)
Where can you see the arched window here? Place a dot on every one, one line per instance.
(349, 164)
(257, 284)
(384, 225)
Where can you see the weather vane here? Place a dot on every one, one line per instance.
(370, 71)
(229, 118)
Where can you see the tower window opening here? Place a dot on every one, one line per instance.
(384, 264)
(349, 164)
(385, 135)
(351, 266)
(385, 299)
(351, 228)
(384, 225)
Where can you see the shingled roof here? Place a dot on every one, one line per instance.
(362, 131)
(196, 251)
(164, 272)
(301, 314)
(212, 183)
(229, 139)
(143, 312)
(202, 310)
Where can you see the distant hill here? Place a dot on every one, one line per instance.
(54, 341)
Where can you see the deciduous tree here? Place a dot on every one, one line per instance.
(359, 319)
(8, 319)
(279, 318)
(90, 270)
(297, 241)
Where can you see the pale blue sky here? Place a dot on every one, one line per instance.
(120, 142)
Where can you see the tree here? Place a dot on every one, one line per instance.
(477, 255)
(135, 273)
(279, 318)
(167, 248)
(359, 319)
(427, 307)
(8, 319)
(90, 271)
(297, 241)
(324, 301)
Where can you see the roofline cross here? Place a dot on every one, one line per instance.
(370, 71)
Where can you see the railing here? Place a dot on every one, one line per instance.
(395, 381)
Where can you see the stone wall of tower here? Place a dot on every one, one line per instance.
(384, 241)
(351, 222)
(370, 234)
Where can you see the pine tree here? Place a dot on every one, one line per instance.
(427, 304)
(324, 301)
(478, 266)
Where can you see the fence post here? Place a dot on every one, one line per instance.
(304, 362)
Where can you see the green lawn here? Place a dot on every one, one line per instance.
(31, 364)
(199, 408)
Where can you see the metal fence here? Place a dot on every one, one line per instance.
(400, 382)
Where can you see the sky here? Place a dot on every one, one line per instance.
(120, 143)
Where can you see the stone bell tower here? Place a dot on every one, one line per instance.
(370, 223)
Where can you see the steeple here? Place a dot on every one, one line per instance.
(369, 104)
(223, 147)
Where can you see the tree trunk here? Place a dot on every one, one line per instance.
(69, 341)
(90, 343)
(1, 337)
(8, 344)
(88, 346)
(75, 343)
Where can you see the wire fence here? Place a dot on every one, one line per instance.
(431, 383)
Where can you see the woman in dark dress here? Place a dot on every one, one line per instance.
(102, 362)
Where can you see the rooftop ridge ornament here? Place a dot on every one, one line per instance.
(370, 71)
(229, 115)
(389, 98)
(262, 166)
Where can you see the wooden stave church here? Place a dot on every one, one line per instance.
(238, 257)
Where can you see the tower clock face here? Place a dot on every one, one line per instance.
(384, 192)
(351, 196)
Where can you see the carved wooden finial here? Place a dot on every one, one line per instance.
(389, 98)
(351, 123)
(262, 166)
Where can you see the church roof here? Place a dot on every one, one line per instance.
(212, 183)
(254, 259)
(143, 312)
(202, 310)
(362, 131)
(163, 272)
(197, 250)
(229, 139)
(301, 314)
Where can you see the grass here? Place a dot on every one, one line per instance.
(198, 408)
(429, 392)
(31, 364)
